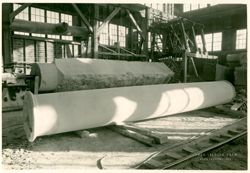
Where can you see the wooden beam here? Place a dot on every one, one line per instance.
(17, 11)
(127, 51)
(120, 54)
(184, 36)
(135, 23)
(185, 66)
(108, 19)
(107, 48)
(203, 41)
(48, 28)
(85, 21)
(194, 37)
(145, 27)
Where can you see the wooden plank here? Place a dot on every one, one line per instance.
(136, 136)
(108, 19)
(233, 132)
(173, 155)
(107, 48)
(158, 138)
(189, 149)
(215, 139)
(83, 18)
(128, 51)
(154, 164)
(120, 54)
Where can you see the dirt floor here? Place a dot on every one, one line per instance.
(102, 148)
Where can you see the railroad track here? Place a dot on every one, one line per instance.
(171, 157)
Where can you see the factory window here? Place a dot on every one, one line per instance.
(209, 42)
(241, 39)
(190, 7)
(213, 41)
(217, 40)
(158, 40)
(123, 31)
(67, 19)
(149, 40)
(23, 15)
(104, 36)
(199, 42)
(53, 17)
(156, 6)
(113, 34)
(37, 15)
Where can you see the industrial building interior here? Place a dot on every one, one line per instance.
(101, 86)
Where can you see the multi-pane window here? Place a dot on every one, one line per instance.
(113, 34)
(199, 42)
(123, 31)
(38, 15)
(209, 42)
(23, 15)
(213, 41)
(53, 17)
(67, 19)
(189, 7)
(158, 40)
(241, 39)
(217, 40)
(156, 6)
(104, 36)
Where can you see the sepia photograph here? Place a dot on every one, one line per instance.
(151, 85)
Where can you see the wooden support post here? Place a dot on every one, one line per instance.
(203, 42)
(95, 33)
(18, 10)
(6, 37)
(145, 33)
(135, 23)
(184, 36)
(184, 59)
(194, 38)
(83, 18)
(152, 45)
(89, 47)
(108, 19)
